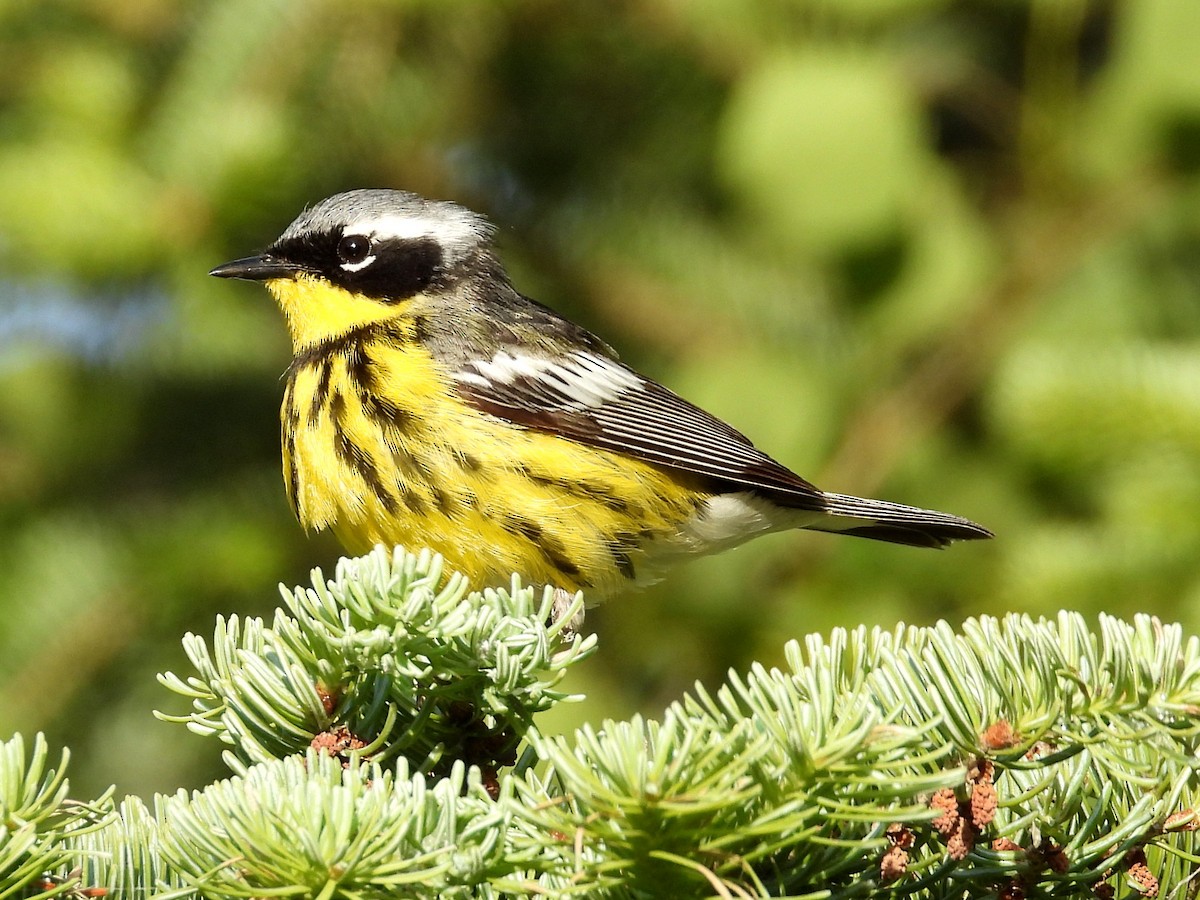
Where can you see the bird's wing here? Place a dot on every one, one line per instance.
(598, 401)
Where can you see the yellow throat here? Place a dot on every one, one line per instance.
(317, 310)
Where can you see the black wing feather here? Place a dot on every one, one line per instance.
(598, 401)
(646, 421)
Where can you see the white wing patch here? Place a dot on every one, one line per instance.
(583, 380)
(597, 401)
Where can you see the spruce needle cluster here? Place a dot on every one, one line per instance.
(383, 740)
(389, 658)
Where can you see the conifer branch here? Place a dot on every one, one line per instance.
(34, 813)
(1012, 757)
(388, 659)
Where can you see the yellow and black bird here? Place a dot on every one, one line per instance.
(430, 404)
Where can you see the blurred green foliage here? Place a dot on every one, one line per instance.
(944, 253)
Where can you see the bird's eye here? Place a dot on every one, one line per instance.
(353, 248)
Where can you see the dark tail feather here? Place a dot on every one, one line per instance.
(894, 522)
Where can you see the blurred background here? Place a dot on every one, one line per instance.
(946, 253)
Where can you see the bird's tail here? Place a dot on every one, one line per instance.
(895, 522)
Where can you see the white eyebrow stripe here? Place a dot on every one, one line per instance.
(398, 227)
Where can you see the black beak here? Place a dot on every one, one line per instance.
(258, 268)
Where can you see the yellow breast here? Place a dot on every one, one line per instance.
(378, 447)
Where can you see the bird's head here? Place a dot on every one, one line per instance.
(357, 257)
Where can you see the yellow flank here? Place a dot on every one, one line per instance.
(378, 447)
